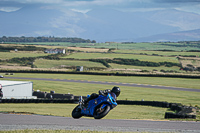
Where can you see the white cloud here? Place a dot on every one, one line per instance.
(190, 8)
(37, 1)
(67, 24)
(129, 5)
(9, 9)
(81, 11)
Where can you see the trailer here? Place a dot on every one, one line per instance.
(17, 89)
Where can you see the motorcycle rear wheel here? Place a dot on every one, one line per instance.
(76, 113)
(100, 113)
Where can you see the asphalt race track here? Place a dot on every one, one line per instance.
(111, 83)
(14, 121)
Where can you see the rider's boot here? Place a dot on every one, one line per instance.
(85, 102)
(92, 96)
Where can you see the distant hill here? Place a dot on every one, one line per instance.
(191, 35)
(112, 25)
(102, 24)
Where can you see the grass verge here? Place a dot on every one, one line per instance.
(164, 81)
(64, 110)
(65, 131)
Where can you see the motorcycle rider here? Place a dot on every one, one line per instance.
(114, 93)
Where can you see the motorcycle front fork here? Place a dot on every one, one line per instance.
(81, 102)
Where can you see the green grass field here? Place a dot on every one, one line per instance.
(64, 110)
(129, 93)
(42, 63)
(121, 52)
(127, 56)
(66, 131)
(118, 66)
(176, 82)
(9, 55)
(131, 46)
(164, 53)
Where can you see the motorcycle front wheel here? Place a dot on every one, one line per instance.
(76, 113)
(101, 112)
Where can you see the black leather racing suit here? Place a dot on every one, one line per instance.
(94, 95)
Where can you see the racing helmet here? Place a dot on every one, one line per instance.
(116, 90)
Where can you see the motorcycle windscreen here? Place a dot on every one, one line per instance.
(113, 95)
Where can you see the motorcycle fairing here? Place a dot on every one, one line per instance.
(94, 103)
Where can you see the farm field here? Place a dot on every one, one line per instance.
(82, 51)
(129, 68)
(127, 46)
(43, 63)
(102, 50)
(127, 56)
(193, 62)
(164, 53)
(52, 64)
(10, 55)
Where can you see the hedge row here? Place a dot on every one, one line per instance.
(175, 115)
(53, 95)
(36, 101)
(181, 111)
(44, 39)
(146, 103)
(98, 73)
(76, 99)
(134, 62)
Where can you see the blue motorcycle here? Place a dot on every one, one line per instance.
(97, 108)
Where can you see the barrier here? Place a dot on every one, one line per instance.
(146, 103)
(52, 95)
(169, 115)
(177, 75)
(37, 101)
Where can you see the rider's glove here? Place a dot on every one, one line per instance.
(101, 93)
(104, 93)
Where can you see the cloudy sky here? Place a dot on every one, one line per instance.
(123, 5)
(66, 20)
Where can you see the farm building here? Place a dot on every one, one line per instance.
(79, 68)
(17, 89)
(55, 51)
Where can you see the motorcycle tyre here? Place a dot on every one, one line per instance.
(76, 113)
(102, 114)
